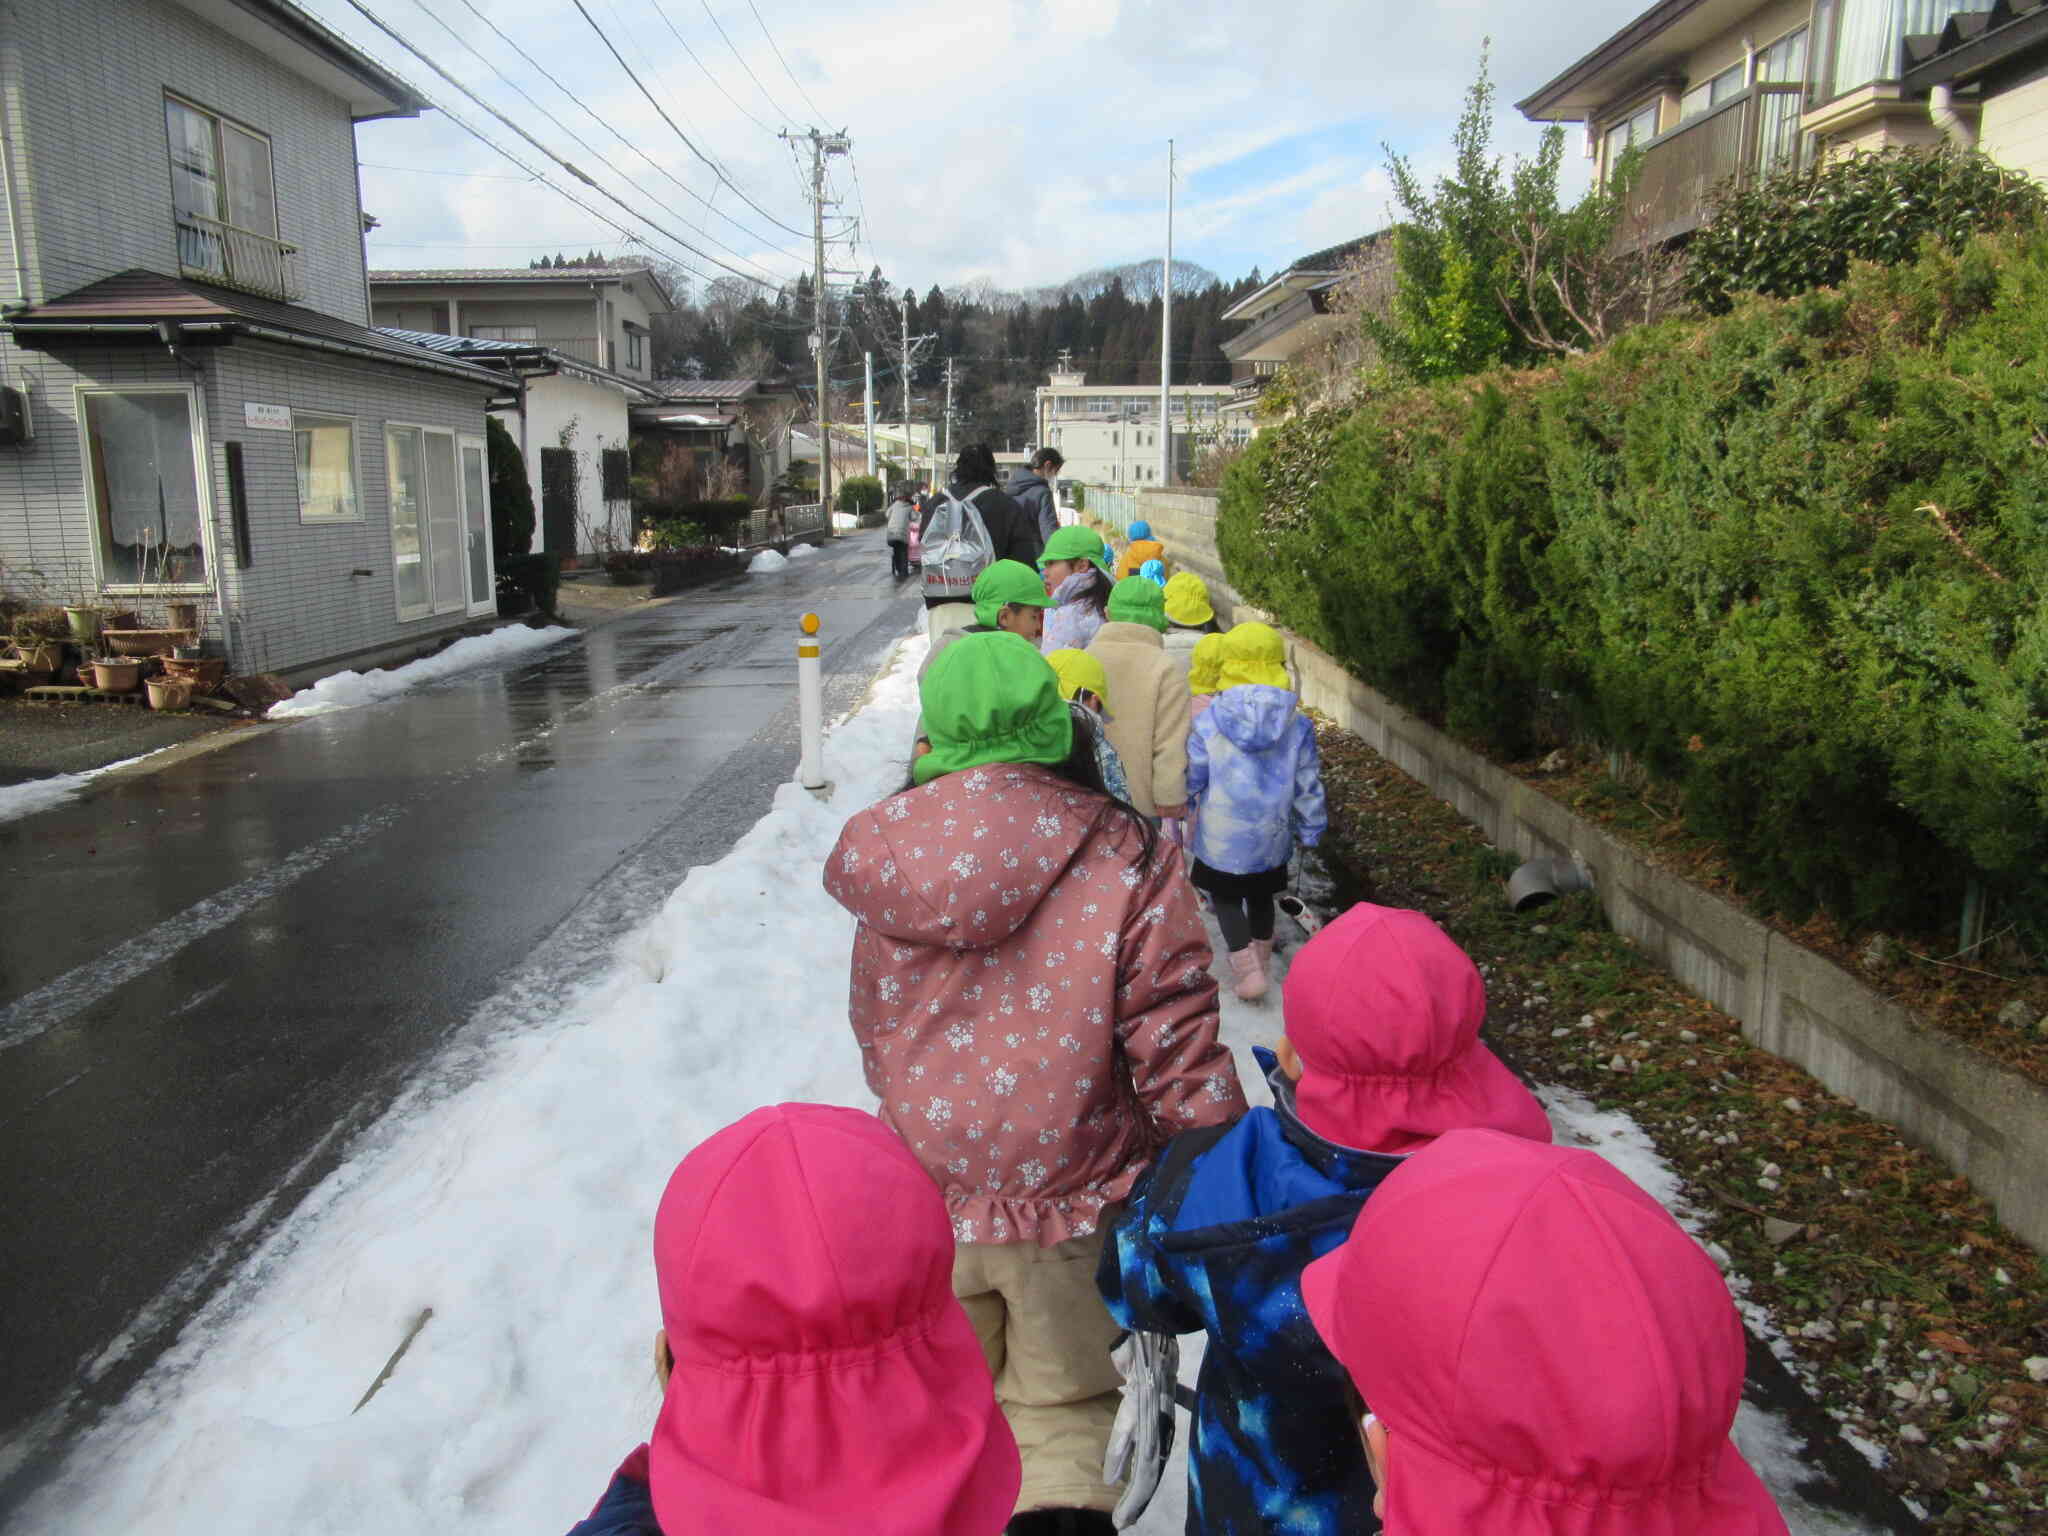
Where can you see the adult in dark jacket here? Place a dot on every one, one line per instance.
(1032, 490)
(1013, 531)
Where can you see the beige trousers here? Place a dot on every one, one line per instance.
(1047, 1335)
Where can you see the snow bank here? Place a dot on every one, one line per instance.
(351, 690)
(517, 1205)
(19, 800)
(766, 561)
(845, 522)
(801, 550)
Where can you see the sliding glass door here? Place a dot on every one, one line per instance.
(440, 523)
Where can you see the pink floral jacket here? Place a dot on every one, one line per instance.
(1033, 1005)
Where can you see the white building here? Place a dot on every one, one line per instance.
(1109, 433)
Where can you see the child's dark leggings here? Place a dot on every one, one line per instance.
(1243, 919)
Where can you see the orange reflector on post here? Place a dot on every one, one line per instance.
(809, 623)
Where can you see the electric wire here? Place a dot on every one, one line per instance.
(583, 176)
(662, 11)
(546, 74)
(717, 170)
(820, 116)
(765, 96)
(540, 176)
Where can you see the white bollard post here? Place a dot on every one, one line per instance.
(810, 704)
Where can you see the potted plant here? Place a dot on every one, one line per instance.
(117, 674)
(169, 693)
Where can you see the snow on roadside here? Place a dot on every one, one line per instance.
(801, 550)
(19, 800)
(767, 560)
(845, 521)
(352, 690)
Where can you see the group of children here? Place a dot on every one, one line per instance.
(1416, 1308)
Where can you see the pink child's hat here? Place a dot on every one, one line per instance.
(1384, 1010)
(826, 1380)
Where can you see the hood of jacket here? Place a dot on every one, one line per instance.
(1025, 480)
(901, 867)
(1254, 717)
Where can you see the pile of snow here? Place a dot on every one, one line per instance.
(517, 1202)
(845, 521)
(19, 800)
(766, 561)
(801, 550)
(352, 690)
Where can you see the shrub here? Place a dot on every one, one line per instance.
(1792, 559)
(716, 518)
(675, 533)
(860, 494)
(538, 577)
(1799, 230)
(511, 493)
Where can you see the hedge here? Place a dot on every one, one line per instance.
(1791, 558)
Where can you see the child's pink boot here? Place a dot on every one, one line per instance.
(1248, 975)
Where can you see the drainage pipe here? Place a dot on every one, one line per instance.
(1941, 111)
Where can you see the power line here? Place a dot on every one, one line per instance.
(421, 170)
(662, 12)
(580, 175)
(772, 102)
(715, 167)
(601, 123)
(784, 62)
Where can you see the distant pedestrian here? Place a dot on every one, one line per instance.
(1032, 489)
(1255, 779)
(1140, 548)
(1031, 997)
(1076, 566)
(812, 1379)
(1153, 707)
(896, 529)
(968, 526)
(1544, 1351)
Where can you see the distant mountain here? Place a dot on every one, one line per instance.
(1140, 280)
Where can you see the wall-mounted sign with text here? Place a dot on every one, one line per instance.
(266, 418)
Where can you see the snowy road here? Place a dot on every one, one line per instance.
(479, 1268)
(213, 978)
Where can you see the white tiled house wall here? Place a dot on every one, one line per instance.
(2015, 128)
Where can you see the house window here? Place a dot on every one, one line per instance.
(149, 503)
(1639, 127)
(327, 467)
(428, 546)
(222, 192)
(1784, 62)
(505, 332)
(1709, 94)
(636, 342)
(1864, 41)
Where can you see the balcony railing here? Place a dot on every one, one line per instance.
(237, 258)
(1749, 135)
(585, 349)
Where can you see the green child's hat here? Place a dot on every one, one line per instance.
(1005, 582)
(1136, 600)
(1076, 542)
(991, 698)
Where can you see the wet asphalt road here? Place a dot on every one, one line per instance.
(211, 977)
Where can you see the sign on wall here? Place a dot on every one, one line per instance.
(267, 418)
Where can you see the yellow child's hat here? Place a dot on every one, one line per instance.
(1255, 653)
(1187, 600)
(1205, 668)
(1077, 670)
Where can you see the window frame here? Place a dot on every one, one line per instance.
(355, 469)
(220, 119)
(1653, 104)
(436, 607)
(195, 417)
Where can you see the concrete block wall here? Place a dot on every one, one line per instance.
(1983, 1119)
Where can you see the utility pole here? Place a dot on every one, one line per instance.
(1166, 338)
(868, 401)
(909, 446)
(947, 450)
(823, 145)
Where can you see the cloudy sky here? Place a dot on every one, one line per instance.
(1020, 141)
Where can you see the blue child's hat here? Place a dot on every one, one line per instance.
(1154, 571)
(1140, 529)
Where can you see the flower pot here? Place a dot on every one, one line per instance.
(117, 676)
(41, 655)
(142, 642)
(204, 673)
(183, 615)
(169, 693)
(84, 621)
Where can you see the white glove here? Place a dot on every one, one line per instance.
(1141, 1439)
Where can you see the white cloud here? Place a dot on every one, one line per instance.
(1023, 140)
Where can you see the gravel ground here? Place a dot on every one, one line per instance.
(38, 740)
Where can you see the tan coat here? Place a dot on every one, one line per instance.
(1150, 710)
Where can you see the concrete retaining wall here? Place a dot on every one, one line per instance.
(1984, 1120)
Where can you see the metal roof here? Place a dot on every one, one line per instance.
(1974, 44)
(138, 302)
(706, 389)
(458, 346)
(455, 276)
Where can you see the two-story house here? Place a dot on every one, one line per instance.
(1288, 318)
(1714, 89)
(1109, 434)
(197, 406)
(573, 424)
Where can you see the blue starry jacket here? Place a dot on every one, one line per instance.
(1214, 1238)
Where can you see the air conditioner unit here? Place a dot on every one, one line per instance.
(15, 426)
